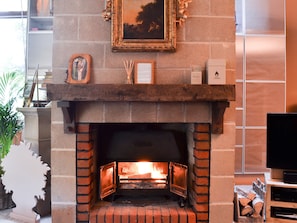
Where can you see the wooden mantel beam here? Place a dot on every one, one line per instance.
(69, 95)
(140, 92)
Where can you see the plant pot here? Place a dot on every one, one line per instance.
(6, 201)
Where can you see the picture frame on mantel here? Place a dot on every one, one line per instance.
(144, 72)
(79, 69)
(149, 27)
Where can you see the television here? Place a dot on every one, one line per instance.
(281, 141)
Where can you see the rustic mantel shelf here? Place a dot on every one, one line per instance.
(140, 92)
(218, 95)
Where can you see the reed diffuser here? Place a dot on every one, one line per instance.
(129, 64)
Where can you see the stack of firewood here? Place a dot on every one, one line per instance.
(251, 202)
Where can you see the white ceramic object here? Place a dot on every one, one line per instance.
(25, 176)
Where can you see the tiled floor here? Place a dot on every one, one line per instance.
(4, 218)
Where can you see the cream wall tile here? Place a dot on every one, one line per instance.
(222, 7)
(220, 213)
(61, 140)
(56, 113)
(199, 7)
(226, 140)
(187, 55)
(90, 112)
(66, 28)
(222, 163)
(220, 189)
(63, 189)
(63, 162)
(89, 33)
(66, 49)
(222, 29)
(171, 112)
(143, 112)
(117, 112)
(203, 115)
(198, 29)
(63, 213)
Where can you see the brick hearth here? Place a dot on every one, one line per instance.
(149, 214)
(88, 208)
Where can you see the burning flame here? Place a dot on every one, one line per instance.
(144, 167)
(148, 167)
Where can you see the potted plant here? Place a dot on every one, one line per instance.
(11, 87)
(10, 126)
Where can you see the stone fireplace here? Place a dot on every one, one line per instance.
(84, 119)
(203, 111)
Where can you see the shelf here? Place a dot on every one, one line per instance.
(141, 92)
(42, 18)
(218, 95)
(41, 23)
(35, 32)
(39, 37)
(282, 204)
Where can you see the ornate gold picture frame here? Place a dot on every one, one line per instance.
(143, 27)
(79, 69)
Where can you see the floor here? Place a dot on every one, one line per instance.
(4, 218)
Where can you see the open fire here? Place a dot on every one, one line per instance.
(142, 175)
(121, 177)
(143, 161)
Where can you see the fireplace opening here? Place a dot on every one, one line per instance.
(141, 161)
(94, 141)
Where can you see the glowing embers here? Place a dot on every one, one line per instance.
(143, 175)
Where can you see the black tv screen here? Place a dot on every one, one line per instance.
(281, 141)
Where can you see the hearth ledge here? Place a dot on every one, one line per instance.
(69, 95)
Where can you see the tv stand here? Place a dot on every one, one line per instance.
(281, 201)
(290, 177)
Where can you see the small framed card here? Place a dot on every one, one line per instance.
(144, 72)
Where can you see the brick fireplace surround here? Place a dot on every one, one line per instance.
(86, 190)
(209, 32)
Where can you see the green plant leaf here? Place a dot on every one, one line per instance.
(11, 89)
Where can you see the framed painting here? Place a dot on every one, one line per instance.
(144, 72)
(143, 25)
(79, 69)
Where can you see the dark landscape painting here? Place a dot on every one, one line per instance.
(143, 19)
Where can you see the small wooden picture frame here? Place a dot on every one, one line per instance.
(79, 69)
(144, 72)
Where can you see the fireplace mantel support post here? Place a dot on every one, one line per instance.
(218, 110)
(68, 110)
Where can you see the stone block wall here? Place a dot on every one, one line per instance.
(209, 32)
